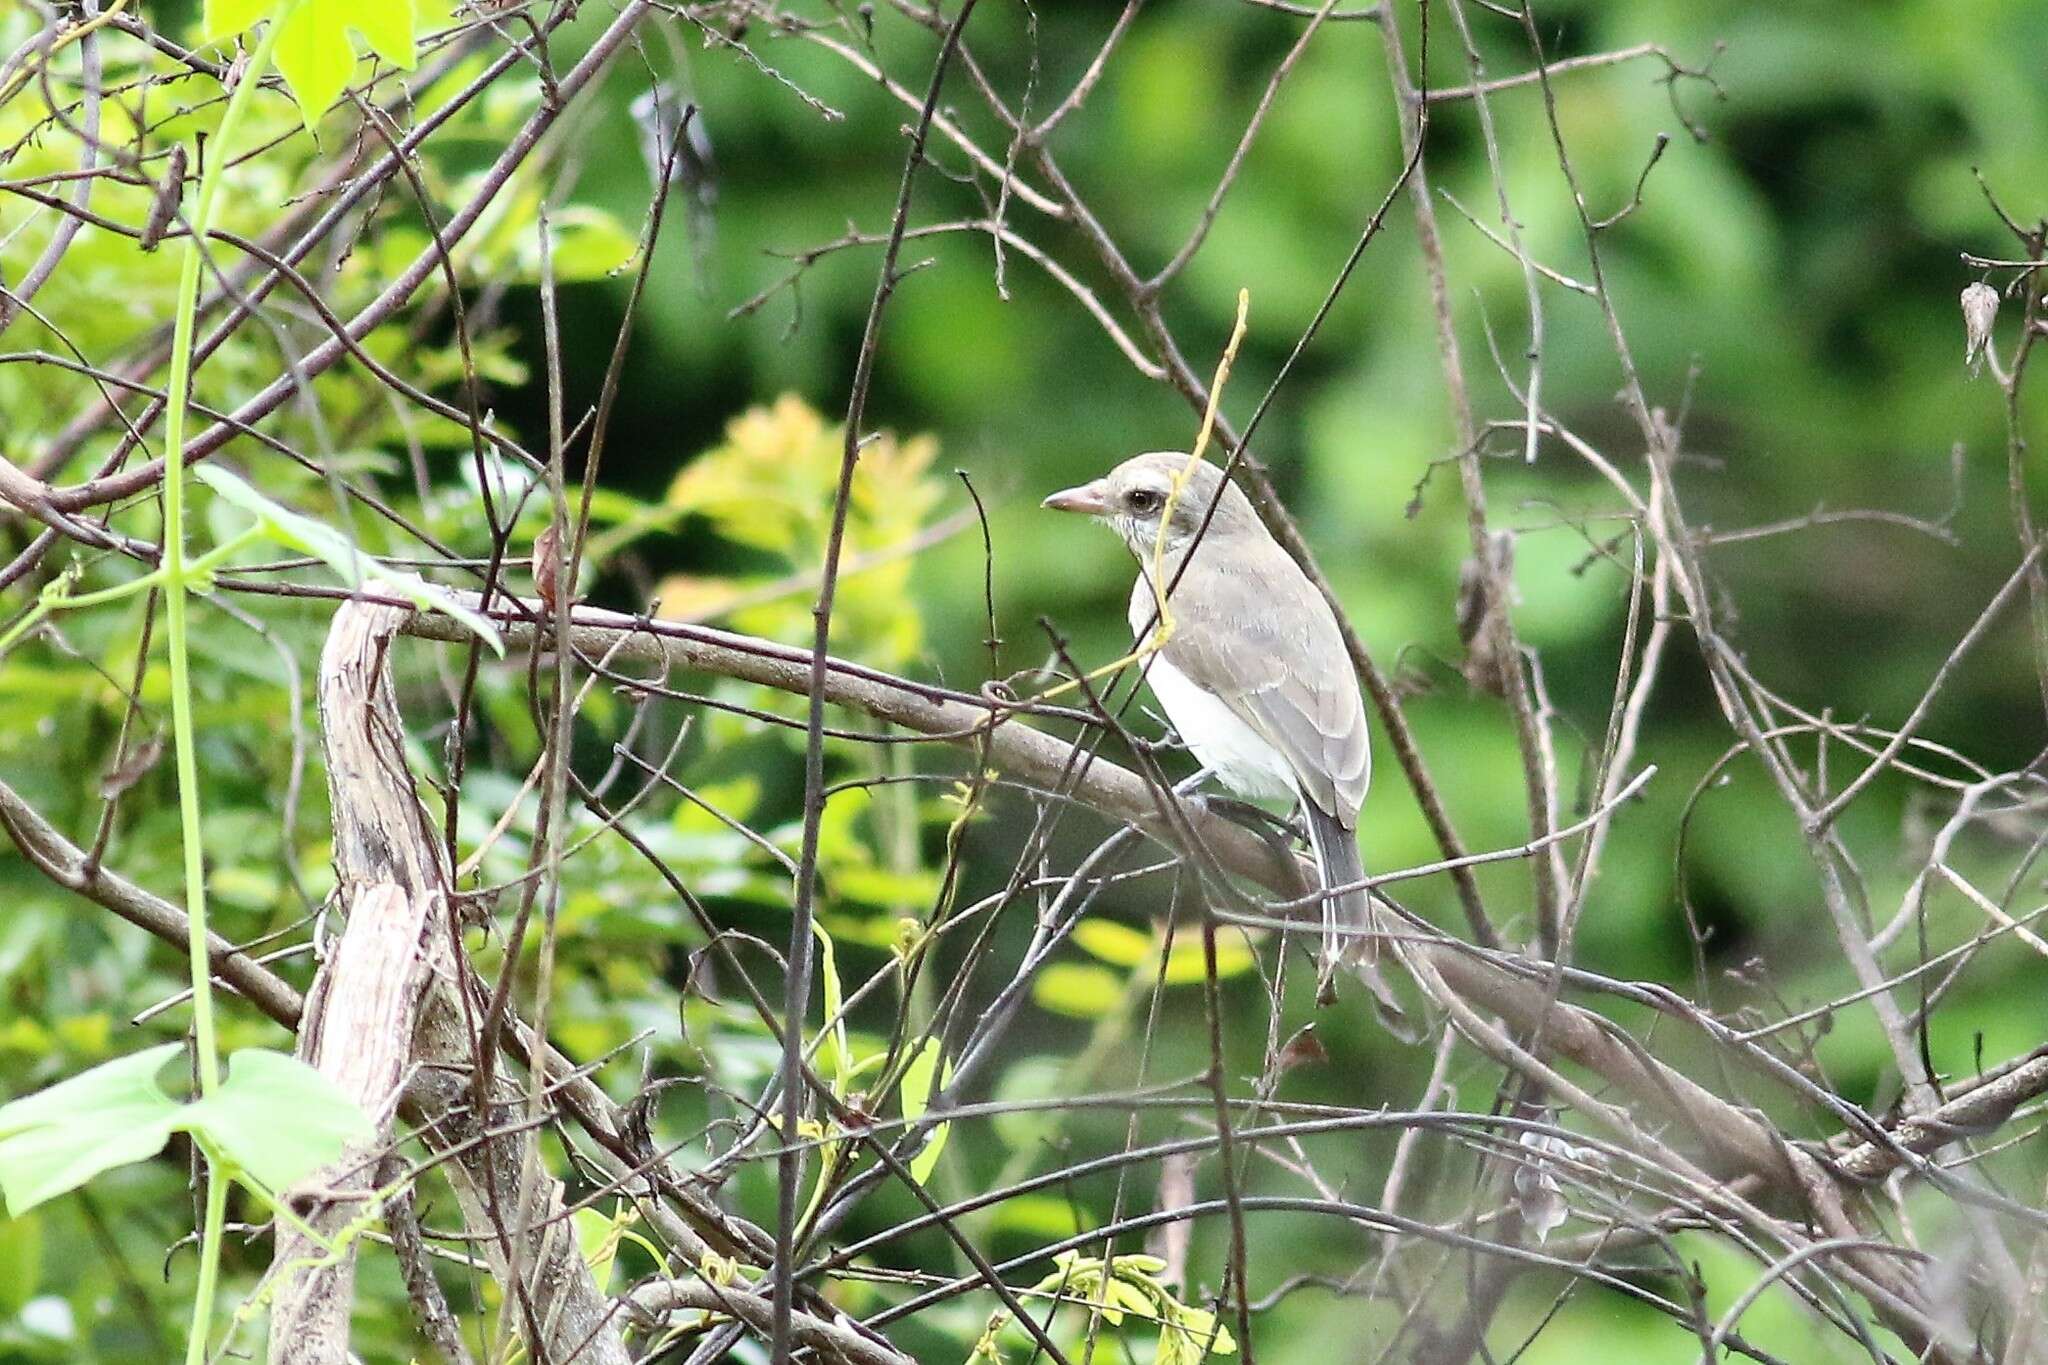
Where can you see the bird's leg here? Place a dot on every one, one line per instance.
(1276, 831)
(1255, 817)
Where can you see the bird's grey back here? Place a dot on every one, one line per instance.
(1251, 628)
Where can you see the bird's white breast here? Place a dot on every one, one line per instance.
(1236, 753)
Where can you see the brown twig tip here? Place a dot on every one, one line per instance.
(547, 566)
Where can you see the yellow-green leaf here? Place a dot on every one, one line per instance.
(835, 1012)
(1117, 944)
(55, 1140)
(314, 56)
(1186, 964)
(589, 244)
(921, 1079)
(598, 1238)
(388, 26)
(286, 527)
(1079, 990)
(1043, 1217)
(21, 1263)
(880, 886)
(222, 19)
(277, 1118)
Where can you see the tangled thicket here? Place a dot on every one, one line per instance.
(526, 873)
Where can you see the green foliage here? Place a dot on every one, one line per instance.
(1803, 258)
(112, 294)
(274, 1118)
(314, 53)
(923, 1079)
(21, 1263)
(1114, 1288)
(1119, 945)
(769, 488)
(55, 1141)
(599, 1237)
(1079, 990)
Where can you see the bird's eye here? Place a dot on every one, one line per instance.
(1143, 500)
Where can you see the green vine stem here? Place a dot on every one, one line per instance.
(177, 582)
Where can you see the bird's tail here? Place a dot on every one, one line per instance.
(1346, 914)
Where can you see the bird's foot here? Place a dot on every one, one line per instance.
(1169, 740)
(1276, 831)
(1257, 817)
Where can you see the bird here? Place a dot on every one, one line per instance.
(1253, 672)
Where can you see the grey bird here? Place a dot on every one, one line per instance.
(1253, 674)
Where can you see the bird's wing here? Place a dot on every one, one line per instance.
(1261, 638)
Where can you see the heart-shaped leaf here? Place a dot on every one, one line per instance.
(314, 52)
(273, 1117)
(277, 1118)
(222, 19)
(315, 56)
(55, 1140)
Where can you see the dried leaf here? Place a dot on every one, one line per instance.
(1980, 311)
(1169, 1241)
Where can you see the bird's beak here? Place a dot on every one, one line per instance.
(1090, 498)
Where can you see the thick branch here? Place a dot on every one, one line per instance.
(1976, 1111)
(1031, 755)
(1733, 1139)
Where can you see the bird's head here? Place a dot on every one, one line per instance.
(1138, 494)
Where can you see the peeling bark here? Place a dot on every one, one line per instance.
(387, 1021)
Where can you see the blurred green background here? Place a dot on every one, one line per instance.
(1789, 285)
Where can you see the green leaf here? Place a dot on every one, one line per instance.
(390, 28)
(277, 1118)
(273, 1116)
(880, 886)
(285, 526)
(835, 1011)
(598, 1238)
(1122, 946)
(434, 597)
(589, 244)
(1139, 1265)
(279, 523)
(225, 18)
(54, 1141)
(1187, 962)
(1078, 990)
(1121, 1296)
(916, 1086)
(1042, 1217)
(1201, 1332)
(21, 1264)
(1130, 1285)
(1117, 944)
(916, 1090)
(314, 56)
(735, 799)
(1024, 1082)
